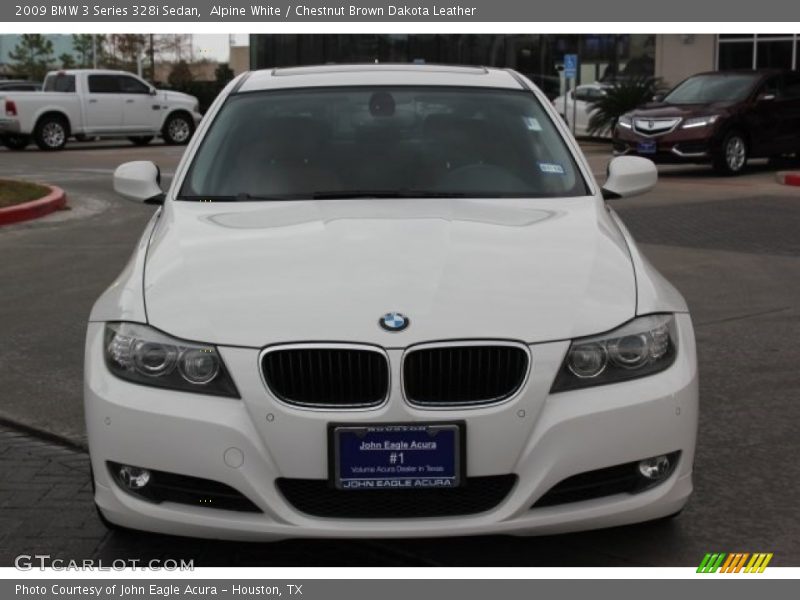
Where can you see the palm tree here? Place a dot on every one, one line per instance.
(622, 97)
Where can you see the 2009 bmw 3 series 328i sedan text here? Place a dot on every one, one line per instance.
(387, 300)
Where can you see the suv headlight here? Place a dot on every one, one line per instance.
(699, 121)
(625, 121)
(144, 355)
(641, 347)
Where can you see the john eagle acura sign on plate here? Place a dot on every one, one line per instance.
(396, 456)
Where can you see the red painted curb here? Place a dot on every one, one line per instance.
(792, 179)
(34, 209)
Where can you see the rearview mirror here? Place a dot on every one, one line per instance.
(629, 176)
(139, 180)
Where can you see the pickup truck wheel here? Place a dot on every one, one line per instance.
(50, 133)
(15, 142)
(178, 129)
(731, 158)
(141, 140)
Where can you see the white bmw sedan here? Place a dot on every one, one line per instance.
(387, 300)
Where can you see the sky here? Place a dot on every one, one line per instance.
(215, 46)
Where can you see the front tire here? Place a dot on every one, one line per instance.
(731, 158)
(141, 140)
(178, 129)
(51, 133)
(16, 142)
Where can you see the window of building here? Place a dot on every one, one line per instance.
(762, 51)
(774, 54)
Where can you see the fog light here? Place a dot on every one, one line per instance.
(133, 478)
(655, 468)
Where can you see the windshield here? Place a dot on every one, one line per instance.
(381, 142)
(705, 89)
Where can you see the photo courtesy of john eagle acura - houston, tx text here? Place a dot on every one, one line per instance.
(387, 300)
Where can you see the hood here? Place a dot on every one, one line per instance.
(257, 273)
(170, 95)
(655, 110)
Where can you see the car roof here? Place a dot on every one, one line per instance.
(90, 72)
(755, 72)
(346, 75)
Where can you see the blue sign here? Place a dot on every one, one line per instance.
(397, 456)
(570, 66)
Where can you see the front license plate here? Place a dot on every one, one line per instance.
(403, 456)
(648, 147)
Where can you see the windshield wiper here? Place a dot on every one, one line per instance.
(352, 194)
(333, 195)
(207, 198)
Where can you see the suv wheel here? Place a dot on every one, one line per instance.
(51, 133)
(178, 129)
(732, 156)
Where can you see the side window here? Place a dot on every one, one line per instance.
(103, 84)
(129, 85)
(791, 88)
(593, 94)
(771, 86)
(59, 83)
(583, 93)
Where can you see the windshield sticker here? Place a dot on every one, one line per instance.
(551, 168)
(532, 124)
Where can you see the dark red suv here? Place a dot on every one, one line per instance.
(722, 118)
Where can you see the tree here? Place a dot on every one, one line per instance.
(180, 76)
(67, 60)
(622, 97)
(177, 46)
(223, 74)
(131, 48)
(32, 56)
(83, 44)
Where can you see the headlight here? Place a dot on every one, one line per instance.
(641, 347)
(699, 121)
(141, 354)
(625, 121)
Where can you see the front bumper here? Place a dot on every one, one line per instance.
(541, 438)
(696, 145)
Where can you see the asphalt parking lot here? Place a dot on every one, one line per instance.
(730, 245)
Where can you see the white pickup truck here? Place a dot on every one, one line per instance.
(87, 103)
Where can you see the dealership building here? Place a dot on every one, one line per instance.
(672, 57)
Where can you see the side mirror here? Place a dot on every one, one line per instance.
(765, 97)
(153, 91)
(629, 176)
(658, 97)
(139, 180)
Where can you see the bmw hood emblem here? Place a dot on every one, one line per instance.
(394, 321)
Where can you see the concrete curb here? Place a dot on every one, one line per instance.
(43, 434)
(788, 177)
(34, 209)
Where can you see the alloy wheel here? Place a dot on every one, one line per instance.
(179, 130)
(53, 134)
(735, 153)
